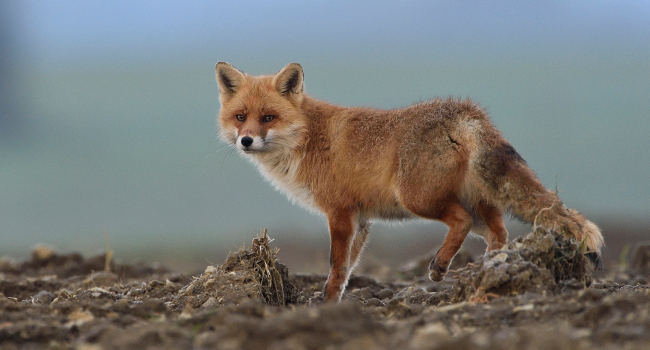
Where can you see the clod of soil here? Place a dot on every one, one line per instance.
(538, 262)
(252, 274)
(641, 258)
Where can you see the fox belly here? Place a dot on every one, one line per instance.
(388, 211)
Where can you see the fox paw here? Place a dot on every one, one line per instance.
(595, 260)
(436, 272)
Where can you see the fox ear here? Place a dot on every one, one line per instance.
(229, 78)
(290, 79)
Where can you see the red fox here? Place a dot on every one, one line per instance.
(442, 159)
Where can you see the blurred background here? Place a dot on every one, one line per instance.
(108, 113)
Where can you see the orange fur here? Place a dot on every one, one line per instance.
(441, 159)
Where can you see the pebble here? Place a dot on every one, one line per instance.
(501, 257)
(79, 317)
(7, 264)
(641, 258)
(211, 302)
(527, 307)
(429, 334)
(374, 302)
(385, 294)
(363, 293)
(41, 253)
(43, 297)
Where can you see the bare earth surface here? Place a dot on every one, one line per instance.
(539, 292)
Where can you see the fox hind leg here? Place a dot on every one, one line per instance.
(495, 234)
(459, 222)
(358, 244)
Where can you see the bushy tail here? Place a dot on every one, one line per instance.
(508, 182)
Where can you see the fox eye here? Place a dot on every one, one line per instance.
(240, 117)
(267, 118)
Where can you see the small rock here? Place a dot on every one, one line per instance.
(42, 253)
(501, 257)
(186, 313)
(385, 294)
(434, 299)
(581, 333)
(366, 341)
(395, 301)
(43, 297)
(171, 284)
(206, 340)
(97, 292)
(88, 346)
(7, 264)
(154, 284)
(362, 293)
(429, 334)
(527, 307)
(447, 285)
(400, 310)
(210, 270)
(79, 317)
(641, 258)
(211, 302)
(374, 302)
(414, 294)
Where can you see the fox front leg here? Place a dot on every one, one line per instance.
(341, 228)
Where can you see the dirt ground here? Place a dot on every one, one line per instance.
(539, 292)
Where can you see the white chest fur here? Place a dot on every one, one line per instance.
(280, 169)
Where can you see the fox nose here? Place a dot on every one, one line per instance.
(246, 141)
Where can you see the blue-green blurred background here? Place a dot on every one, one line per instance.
(108, 108)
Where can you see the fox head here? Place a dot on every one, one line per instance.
(261, 114)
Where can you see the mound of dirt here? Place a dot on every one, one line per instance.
(253, 274)
(540, 262)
